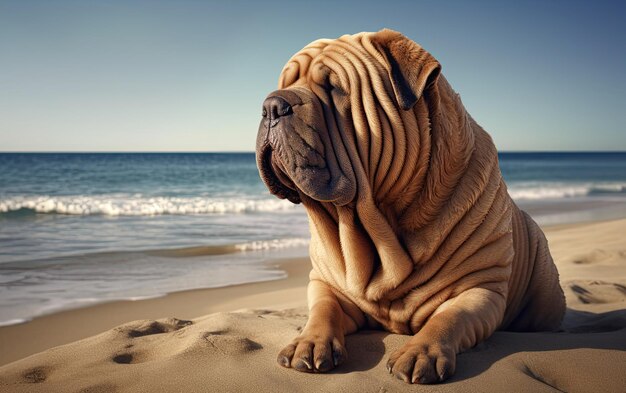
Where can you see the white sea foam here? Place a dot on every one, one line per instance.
(15, 321)
(539, 191)
(112, 205)
(274, 244)
(138, 205)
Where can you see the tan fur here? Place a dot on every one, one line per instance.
(432, 244)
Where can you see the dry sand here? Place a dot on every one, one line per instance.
(236, 351)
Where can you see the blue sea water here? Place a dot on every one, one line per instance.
(65, 203)
(76, 229)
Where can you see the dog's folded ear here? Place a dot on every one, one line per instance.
(412, 70)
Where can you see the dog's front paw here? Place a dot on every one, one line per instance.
(313, 353)
(421, 362)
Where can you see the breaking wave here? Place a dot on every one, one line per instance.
(275, 244)
(563, 190)
(112, 205)
(221, 249)
(138, 205)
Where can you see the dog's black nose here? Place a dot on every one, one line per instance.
(275, 107)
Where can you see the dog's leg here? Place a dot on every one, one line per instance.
(458, 324)
(321, 345)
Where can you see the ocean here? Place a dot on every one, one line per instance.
(82, 228)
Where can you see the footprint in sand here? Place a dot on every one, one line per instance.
(231, 344)
(599, 256)
(125, 358)
(139, 341)
(597, 292)
(35, 375)
(147, 327)
(144, 328)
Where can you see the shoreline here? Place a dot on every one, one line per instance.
(65, 326)
(156, 273)
(575, 210)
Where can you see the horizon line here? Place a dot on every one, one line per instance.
(248, 151)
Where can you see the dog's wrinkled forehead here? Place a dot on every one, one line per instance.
(384, 60)
(296, 71)
(331, 63)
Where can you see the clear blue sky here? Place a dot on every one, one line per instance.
(191, 75)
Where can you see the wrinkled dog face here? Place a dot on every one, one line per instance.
(321, 134)
(298, 145)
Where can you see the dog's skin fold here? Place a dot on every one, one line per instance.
(412, 228)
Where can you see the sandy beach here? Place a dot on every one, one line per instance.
(227, 339)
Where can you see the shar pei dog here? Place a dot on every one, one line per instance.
(412, 228)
